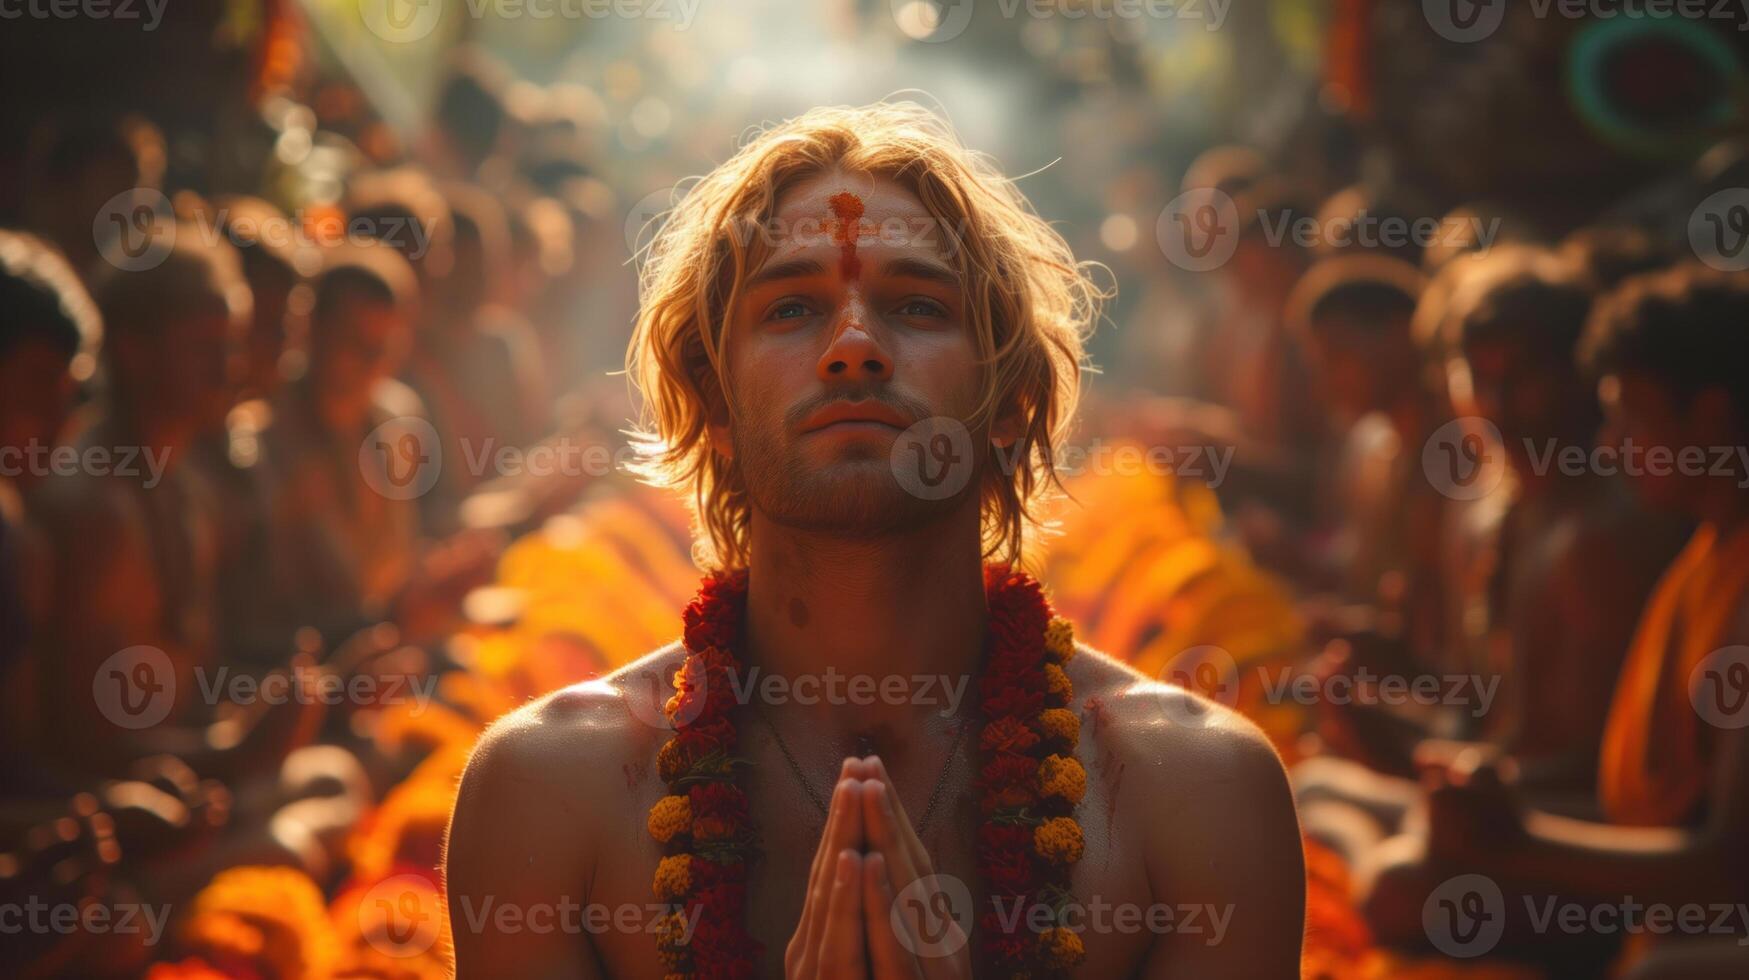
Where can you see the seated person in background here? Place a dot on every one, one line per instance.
(1673, 779)
(275, 266)
(403, 209)
(79, 163)
(348, 455)
(1577, 555)
(476, 365)
(1353, 313)
(1567, 568)
(228, 450)
(49, 332)
(133, 536)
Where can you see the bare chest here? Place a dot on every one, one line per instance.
(1110, 883)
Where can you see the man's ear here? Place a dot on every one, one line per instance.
(1008, 426)
(720, 441)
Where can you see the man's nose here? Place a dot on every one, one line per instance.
(854, 353)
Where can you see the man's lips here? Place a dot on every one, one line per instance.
(857, 414)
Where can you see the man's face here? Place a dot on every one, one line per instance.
(188, 370)
(1529, 396)
(1354, 361)
(1640, 409)
(836, 345)
(362, 342)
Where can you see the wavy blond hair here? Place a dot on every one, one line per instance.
(1029, 305)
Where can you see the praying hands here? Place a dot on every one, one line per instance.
(852, 923)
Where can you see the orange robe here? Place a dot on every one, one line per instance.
(1656, 758)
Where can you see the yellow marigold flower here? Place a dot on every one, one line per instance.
(673, 877)
(671, 764)
(1060, 639)
(672, 815)
(1057, 684)
(1062, 776)
(1061, 947)
(1058, 840)
(1060, 723)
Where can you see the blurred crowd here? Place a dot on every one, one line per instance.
(254, 461)
(275, 543)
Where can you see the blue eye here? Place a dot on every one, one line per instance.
(789, 310)
(918, 306)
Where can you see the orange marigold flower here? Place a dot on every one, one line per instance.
(1058, 840)
(1061, 948)
(1062, 776)
(1060, 723)
(1060, 639)
(671, 816)
(673, 877)
(1057, 684)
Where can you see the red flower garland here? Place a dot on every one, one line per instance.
(1028, 785)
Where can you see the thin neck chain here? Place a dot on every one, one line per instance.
(820, 802)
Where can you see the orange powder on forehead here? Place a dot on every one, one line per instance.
(847, 227)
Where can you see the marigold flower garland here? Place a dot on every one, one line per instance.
(1028, 785)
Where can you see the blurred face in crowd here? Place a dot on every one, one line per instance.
(185, 369)
(1360, 365)
(835, 349)
(36, 394)
(1641, 408)
(1530, 396)
(357, 343)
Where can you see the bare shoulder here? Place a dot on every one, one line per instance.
(1182, 734)
(1211, 778)
(552, 769)
(1207, 803)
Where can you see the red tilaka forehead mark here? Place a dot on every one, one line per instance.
(847, 227)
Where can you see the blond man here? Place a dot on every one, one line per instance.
(858, 347)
